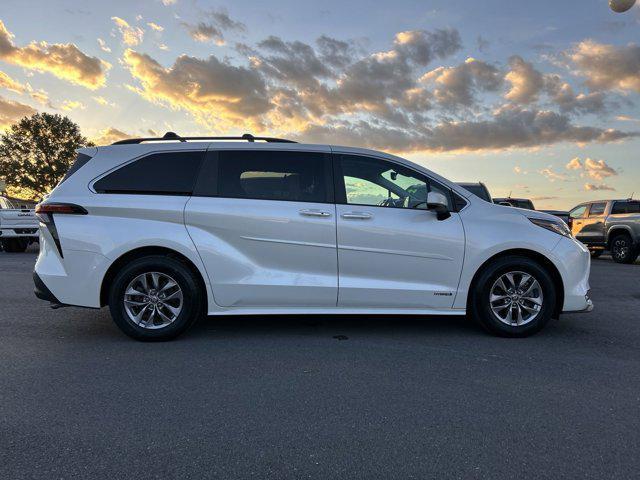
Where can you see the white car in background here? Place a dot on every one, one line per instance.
(166, 230)
(18, 226)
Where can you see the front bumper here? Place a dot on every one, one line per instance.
(574, 264)
(19, 232)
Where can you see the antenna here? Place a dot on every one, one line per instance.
(631, 196)
(510, 193)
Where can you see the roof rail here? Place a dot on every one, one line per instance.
(173, 136)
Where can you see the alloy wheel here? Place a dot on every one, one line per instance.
(153, 300)
(516, 298)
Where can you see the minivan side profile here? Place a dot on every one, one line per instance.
(166, 230)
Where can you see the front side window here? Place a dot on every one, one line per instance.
(597, 209)
(375, 182)
(578, 212)
(273, 175)
(168, 173)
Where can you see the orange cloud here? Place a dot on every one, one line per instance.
(64, 60)
(10, 84)
(110, 135)
(214, 91)
(11, 112)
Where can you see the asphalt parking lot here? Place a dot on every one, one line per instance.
(316, 397)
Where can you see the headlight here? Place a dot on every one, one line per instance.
(554, 226)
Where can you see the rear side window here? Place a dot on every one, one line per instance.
(273, 175)
(79, 162)
(169, 173)
(597, 209)
(625, 207)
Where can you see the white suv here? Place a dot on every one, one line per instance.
(166, 230)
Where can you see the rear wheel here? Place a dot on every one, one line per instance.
(14, 245)
(155, 298)
(622, 249)
(513, 297)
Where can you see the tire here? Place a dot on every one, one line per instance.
(181, 307)
(622, 249)
(595, 253)
(14, 245)
(513, 325)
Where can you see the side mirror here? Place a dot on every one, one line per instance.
(437, 202)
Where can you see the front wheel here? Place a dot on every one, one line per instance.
(155, 298)
(622, 249)
(513, 297)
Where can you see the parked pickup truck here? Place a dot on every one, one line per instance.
(612, 225)
(18, 226)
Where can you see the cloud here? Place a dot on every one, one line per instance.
(10, 84)
(205, 32)
(131, 35)
(509, 128)
(212, 30)
(103, 46)
(594, 187)
(210, 89)
(607, 67)
(330, 92)
(155, 27)
(526, 82)
(456, 86)
(562, 94)
(627, 118)
(574, 164)
(596, 169)
(110, 135)
(11, 112)
(335, 53)
(103, 101)
(69, 105)
(552, 175)
(64, 60)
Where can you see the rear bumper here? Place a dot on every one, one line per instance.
(41, 291)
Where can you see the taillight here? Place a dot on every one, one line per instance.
(46, 211)
(43, 209)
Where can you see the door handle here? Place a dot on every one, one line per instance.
(314, 213)
(357, 215)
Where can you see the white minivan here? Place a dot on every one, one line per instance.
(166, 230)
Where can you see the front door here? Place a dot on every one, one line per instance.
(392, 251)
(266, 231)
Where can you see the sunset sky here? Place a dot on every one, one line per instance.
(537, 98)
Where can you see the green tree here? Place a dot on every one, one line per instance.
(36, 152)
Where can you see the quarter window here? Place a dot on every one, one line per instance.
(375, 182)
(170, 173)
(273, 175)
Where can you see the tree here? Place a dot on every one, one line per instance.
(36, 152)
